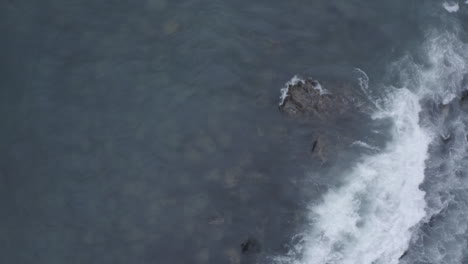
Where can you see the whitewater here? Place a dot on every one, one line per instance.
(380, 209)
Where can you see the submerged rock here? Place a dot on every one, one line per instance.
(319, 148)
(251, 246)
(310, 98)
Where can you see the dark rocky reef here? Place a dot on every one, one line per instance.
(311, 98)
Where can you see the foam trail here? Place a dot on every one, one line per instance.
(364, 84)
(363, 144)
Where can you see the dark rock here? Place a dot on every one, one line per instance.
(464, 95)
(314, 146)
(431, 221)
(250, 246)
(319, 148)
(404, 254)
(311, 98)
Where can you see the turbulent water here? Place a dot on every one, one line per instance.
(407, 203)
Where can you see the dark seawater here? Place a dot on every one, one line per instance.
(149, 131)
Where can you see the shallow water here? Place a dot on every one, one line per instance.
(148, 132)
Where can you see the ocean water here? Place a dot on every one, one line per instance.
(149, 132)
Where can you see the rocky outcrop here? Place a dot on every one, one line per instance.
(311, 98)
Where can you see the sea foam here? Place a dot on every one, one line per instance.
(451, 6)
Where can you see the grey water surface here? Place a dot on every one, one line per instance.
(149, 131)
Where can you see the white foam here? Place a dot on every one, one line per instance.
(321, 90)
(284, 91)
(451, 6)
(443, 242)
(363, 144)
(448, 98)
(364, 82)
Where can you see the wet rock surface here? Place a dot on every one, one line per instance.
(312, 98)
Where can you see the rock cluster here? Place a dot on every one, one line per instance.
(310, 98)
